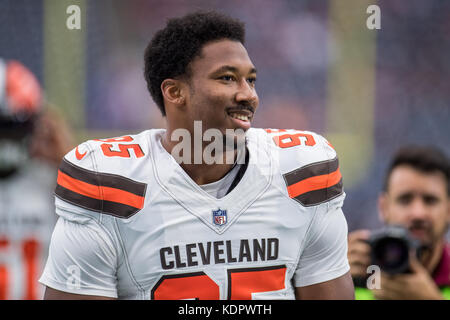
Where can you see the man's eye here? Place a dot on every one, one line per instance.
(251, 80)
(405, 199)
(430, 200)
(227, 78)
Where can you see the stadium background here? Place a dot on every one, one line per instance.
(319, 68)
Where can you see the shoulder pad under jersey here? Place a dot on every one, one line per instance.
(105, 176)
(308, 164)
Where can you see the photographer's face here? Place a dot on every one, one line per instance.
(418, 201)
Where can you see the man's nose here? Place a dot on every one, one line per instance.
(246, 93)
(418, 209)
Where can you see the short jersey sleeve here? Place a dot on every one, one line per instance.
(98, 183)
(82, 259)
(309, 166)
(325, 253)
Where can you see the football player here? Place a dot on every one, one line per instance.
(26, 181)
(148, 216)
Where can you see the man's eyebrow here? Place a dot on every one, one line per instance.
(231, 69)
(405, 194)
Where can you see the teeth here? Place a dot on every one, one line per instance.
(239, 116)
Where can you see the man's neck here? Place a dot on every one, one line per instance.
(202, 173)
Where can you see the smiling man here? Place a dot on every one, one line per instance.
(135, 223)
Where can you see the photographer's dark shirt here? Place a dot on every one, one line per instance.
(442, 273)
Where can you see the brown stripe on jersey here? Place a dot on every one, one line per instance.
(311, 170)
(315, 183)
(103, 179)
(106, 193)
(119, 209)
(78, 199)
(106, 207)
(319, 196)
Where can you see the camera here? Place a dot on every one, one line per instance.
(390, 249)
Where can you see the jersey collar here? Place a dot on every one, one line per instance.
(176, 182)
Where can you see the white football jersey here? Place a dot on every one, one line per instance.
(26, 222)
(133, 225)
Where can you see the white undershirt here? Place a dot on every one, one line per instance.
(218, 189)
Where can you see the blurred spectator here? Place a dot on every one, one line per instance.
(51, 138)
(416, 196)
(32, 143)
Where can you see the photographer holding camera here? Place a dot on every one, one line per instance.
(411, 251)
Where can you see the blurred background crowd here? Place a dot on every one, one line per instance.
(319, 68)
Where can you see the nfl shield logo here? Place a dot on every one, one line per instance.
(219, 217)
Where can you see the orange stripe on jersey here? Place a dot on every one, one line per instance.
(314, 183)
(244, 282)
(78, 186)
(99, 192)
(106, 193)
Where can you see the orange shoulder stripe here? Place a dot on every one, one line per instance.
(99, 192)
(314, 183)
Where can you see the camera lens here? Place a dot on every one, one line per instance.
(391, 253)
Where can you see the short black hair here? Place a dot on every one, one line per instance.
(171, 49)
(426, 159)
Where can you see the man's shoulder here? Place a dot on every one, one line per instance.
(106, 175)
(117, 155)
(307, 162)
(295, 148)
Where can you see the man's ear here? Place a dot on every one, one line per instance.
(383, 207)
(172, 92)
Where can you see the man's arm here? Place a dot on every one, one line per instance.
(81, 263)
(53, 294)
(337, 289)
(323, 271)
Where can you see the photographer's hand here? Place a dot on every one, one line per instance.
(417, 285)
(358, 253)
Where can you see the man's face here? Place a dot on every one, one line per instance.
(418, 201)
(222, 87)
